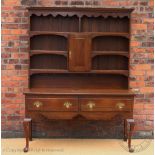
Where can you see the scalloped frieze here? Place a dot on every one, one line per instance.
(80, 14)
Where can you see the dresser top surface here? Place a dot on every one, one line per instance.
(82, 9)
(69, 91)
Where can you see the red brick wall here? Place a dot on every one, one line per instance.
(15, 62)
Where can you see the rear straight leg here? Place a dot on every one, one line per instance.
(125, 130)
(30, 131)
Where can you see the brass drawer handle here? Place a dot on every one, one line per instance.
(91, 105)
(67, 104)
(37, 104)
(120, 105)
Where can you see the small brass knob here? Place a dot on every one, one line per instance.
(70, 54)
(67, 104)
(136, 91)
(120, 105)
(37, 104)
(91, 105)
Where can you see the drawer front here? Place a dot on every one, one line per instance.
(52, 104)
(102, 104)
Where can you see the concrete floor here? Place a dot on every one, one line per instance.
(76, 147)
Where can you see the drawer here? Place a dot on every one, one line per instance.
(52, 104)
(105, 104)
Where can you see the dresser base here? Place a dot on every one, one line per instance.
(128, 124)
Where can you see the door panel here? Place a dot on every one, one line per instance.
(79, 53)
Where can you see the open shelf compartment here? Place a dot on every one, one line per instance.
(109, 62)
(110, 43)
(54, 23)
(79, 81)
(48, 61)
(48, 42)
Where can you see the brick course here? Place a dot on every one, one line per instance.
(15, 67)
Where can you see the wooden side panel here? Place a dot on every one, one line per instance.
(79, 53)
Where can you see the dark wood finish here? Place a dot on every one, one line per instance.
(101, 24)
(38, 71)
(50, 23)
(41, 52)
(117, 72)
(110, 62)
(131, 124)
(48, 62)
(28, 132)
(122, 53)
(79, 81)
(79, 53)
(59, 71)
(79, 66)
(53, 104)
(91, 34)
(73, 115)
(105, 104)
(124, 93)
(125, 130)
(89, 12)
(48, 42)
(110, 43)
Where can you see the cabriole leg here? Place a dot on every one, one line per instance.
(131, 124)
(27, 124)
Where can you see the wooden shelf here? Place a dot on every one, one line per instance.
(59, 71)
(122, 34)
(37, 52)
(92, 34)
(33, 33)
(122, 72)
(38, 71)
(123, 53)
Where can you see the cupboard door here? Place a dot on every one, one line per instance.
(79, 53)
